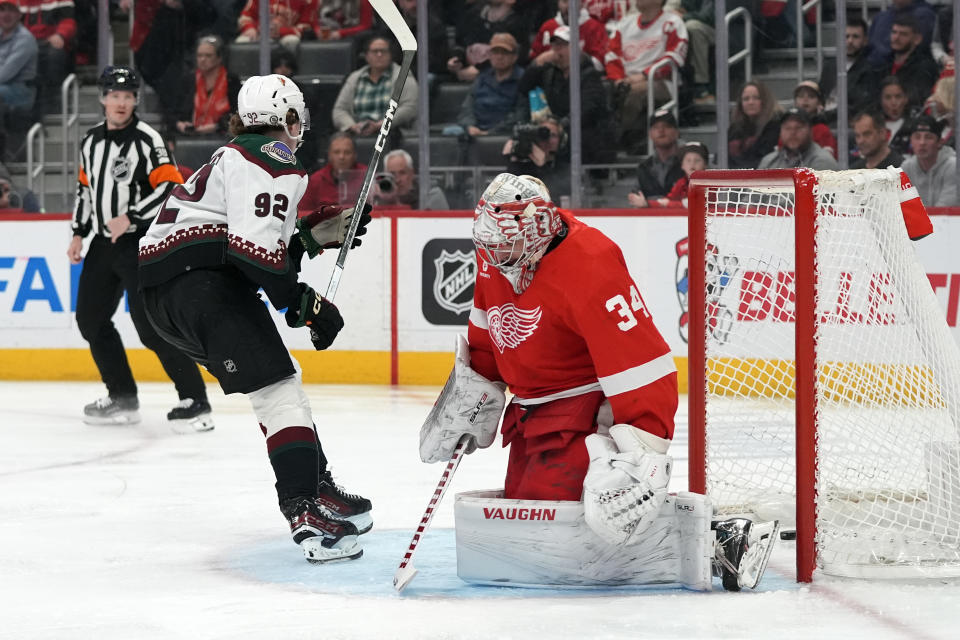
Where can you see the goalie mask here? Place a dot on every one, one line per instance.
(513, 226)
(265, 101)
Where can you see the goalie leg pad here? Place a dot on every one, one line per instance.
(469, 405)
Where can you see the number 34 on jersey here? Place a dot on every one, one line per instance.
(625, 311)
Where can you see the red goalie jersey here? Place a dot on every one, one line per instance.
(581, 326)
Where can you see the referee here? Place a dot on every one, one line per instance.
(125, 175)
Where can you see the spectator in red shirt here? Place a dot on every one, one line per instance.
(209, 92)
(593, 36)
(289, 21)
(337, 182)
(808, 97)
(343, 19)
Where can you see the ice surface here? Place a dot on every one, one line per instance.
(136, 532)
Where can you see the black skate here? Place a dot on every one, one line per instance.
(191, 415)
(112, 410)
(743, 549)
(348, 506)
(322, 536)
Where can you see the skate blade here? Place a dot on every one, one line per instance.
(754, 561)
(362, 521)
(131, 417)
(347, 548)
(200, 424)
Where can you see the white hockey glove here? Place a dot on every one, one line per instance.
(468, 405)
(626, 482)
(327, 227)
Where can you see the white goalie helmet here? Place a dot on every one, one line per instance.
(265, 100)
(513, 225)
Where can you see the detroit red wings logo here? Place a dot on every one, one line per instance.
(509, 326)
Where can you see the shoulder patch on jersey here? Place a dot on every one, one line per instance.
(279, 152)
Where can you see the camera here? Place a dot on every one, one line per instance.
(460, 54)
(385, 182)
(525, 135)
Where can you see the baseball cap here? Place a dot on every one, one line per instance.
(795, 114)
(504, 41)
(664, 115)
(925, 122)
(812, 86)
(561, 33)
(695, 147)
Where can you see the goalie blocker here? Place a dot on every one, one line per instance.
(547, 543)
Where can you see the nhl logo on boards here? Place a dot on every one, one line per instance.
(120, 169)
(449, 271)
(279, 152)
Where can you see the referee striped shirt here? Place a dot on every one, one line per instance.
(122, 171)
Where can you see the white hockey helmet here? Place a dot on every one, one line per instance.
(265, 100)
(513, 225)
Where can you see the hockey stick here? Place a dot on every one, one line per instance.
(406, 571)
(391, 16)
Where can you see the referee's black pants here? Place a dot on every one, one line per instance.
(109, 270)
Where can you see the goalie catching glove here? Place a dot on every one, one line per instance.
(626, 483)
(326, 228)
(469, 405)
(318, 313)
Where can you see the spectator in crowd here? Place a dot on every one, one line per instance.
(862, 77)
(541, 151)
(14, 200)
(284, 63)
(639, 41)
(54, 27)
(399, 187)
(339, 180)
(940, 105)
(870, 132)
(698, 17)
(18, 66)
(363, 99)
(476, 26)
(553, 79)
(942, 45)
(660, 171)
(344, 19)
(933, 167)
(894, 105)
(807, 96)
(438, 47)
(290, 20)
(754, 126)
(224, 21)
(163, 30)
(593, 36)
(797, 147)
(910, 61)
(693, 157)
(489, 107)
(209, 93)
(882, 25)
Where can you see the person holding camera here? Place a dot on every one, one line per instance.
(398, 185)
(540, 150)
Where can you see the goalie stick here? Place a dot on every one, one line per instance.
(389, 13)
(406, 572)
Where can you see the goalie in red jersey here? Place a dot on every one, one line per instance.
(558, 318)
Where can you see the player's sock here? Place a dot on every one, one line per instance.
(322, 536)
(112, 410)
(348, 506)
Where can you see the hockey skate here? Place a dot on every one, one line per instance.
(112, 410)
(743, 549)
(191, 415)
(322, 536)
(349, 506)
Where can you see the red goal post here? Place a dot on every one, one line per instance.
(824, 383)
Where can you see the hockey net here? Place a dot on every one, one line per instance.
(824, 382)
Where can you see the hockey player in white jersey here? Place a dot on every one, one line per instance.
(228, 231)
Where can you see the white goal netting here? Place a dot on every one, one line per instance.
(887, 401)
